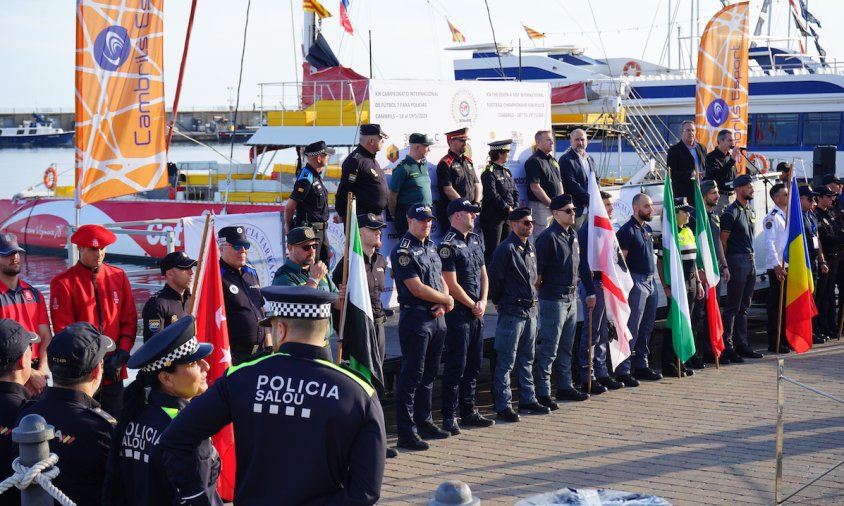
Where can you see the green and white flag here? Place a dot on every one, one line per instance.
(679, 320)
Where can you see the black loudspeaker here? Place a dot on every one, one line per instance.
(823, 163)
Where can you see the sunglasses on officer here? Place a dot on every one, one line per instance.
(567, 210)
(527, 223)
(308, 247)
(239, 247)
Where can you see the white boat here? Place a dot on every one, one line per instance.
(39, 132)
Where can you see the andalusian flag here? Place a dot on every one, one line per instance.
(357, 328)
(679, 320)
(799, 303)
(706, 260)
(316, 7)
(456, 36)
(533, 34)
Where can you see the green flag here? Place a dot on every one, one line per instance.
(679, 320)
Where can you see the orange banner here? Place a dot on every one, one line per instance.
(721, 98)
(120, 115)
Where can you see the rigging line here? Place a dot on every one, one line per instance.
(495, 42)
(600, 38)
(651, 30)
(296, 68)
(237, 99)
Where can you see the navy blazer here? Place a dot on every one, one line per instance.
(575, 182)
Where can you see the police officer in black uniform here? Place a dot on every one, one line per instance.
(173, 369)
(242, 295)
(82, 429)
(308, 204)
(831, 236)
(464, 272)
(363, 176)
(500, 196)
(306, 431)
(424, 300)
(456, 176)
(170, 303)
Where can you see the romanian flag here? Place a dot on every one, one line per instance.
(799, 303)
(533, 34)
(456, 36)
(345, 22)
(314, 6)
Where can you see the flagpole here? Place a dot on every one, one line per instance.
(589, 381)
(782, 265)
(199, 264)
(350, 197)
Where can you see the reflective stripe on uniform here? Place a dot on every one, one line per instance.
(171, 412)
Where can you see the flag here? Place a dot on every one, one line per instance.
(456, 36)
(605, 257)
(316, 7)
(706, 261)
(357, 328)
(345, 22)
(679, 320)
(533, 34)
(209, 309)
(799, 303)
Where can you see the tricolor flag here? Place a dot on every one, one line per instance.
(679, 320)
(533, 34)
(345, 22)
(316, 7)
(799, 303)
(706, 261)
(456, 36)
(357, 328)
(209, 309)
(605, 256)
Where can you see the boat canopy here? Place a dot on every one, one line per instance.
(289, 136)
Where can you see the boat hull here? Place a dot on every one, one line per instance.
(56, 140)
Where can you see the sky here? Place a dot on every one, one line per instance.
(408, 41)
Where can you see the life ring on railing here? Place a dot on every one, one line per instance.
(633, 68)
(760, 158)
(51, 178)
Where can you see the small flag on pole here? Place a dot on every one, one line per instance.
(533, 34)
(456, 36)
(318, 8)
(345, 22)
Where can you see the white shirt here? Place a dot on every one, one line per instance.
(775, 237)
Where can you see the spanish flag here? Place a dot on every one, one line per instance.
(799, 303)
(456, 36)
(314, 6)
(533, 34)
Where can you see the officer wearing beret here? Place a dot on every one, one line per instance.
(363, 176)
(308, 204)
(456, 176)
(464, 272)
(306, 431)
(410, 183)
(544, 180)
(172, 367)
(170, 303)
(831, 236)
(500, 197)
(95, 292)
(776, 235)
(512, 287)
(82, 430)
(242, 295)
(424, 300)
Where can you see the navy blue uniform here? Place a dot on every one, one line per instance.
(12, 397)
(362, 176)
(420, 334)
(162, 309)
(512, 278)
(500, 197)
(463, 255)
(82, 440)
(558, 257)
(140, 478)
(311, 198)
(638, 241)
(306, 432)
(244, 309)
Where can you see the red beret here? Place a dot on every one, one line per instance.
(93, 236)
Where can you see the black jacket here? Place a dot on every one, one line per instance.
(682, 165)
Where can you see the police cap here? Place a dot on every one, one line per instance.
(559, 202)
(706, 186)
(370, 221)
(234, 235)
(823, 191)
(296, 302)
(417, 138)
(178, 259)
(682, 204)
(806, 191)
(75, 351)
(373, 129)
(420, 212)
(318, 148)
(831, 178)
(14, 340)
(519, 213)
(93, 236)
(742, 180)
(300, 235)
(9, 245)
(461, 134)
(176, 344)
(457, 205)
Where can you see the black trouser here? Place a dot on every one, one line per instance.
(775, 310)
(825, 322)
(464, 348)
(110, 397)
(494, 230)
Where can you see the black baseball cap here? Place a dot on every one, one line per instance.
(420, 212)
(9, 245)
(806, 191)
(417, 138)
(373, 129)
(457, 205)
(178, 259)
(370, 220)
(75, 351)
(14, 340)
(823, 191)
(235, 235)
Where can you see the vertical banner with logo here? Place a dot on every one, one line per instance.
(721, 98)
(120, 116)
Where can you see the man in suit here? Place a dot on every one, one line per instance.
(575, 167)
(683, 159)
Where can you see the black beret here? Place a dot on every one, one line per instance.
(519, 213)
(176, 344)
(559, 202)
(742, 180)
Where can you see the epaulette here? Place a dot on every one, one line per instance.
(448, 238)
(102, 414)
(447, 159)
(307, 175)
(405, 243)
(251, 270)
(466, 158)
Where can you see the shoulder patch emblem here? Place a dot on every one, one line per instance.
(154, 325)
(769, 224)
(445, 252)
(173, 319)
(234, 289)
(404, 260)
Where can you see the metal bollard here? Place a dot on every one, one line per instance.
(454, 492)
(32, 435)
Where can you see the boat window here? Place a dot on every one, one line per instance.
(775, 129)
(821, 128)
(31, 131)
(20, 132)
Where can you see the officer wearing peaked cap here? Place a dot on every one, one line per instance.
(500, 196)
(173, 368)
(456, 177)
(302, 425)
(308, 204)
(363, 176)
(776, 234)
(170, 303)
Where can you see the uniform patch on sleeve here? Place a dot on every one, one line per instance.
(445, 252)
(769, 224)
(154, 325)
(404, 260)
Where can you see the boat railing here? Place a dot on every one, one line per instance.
(125, 228)
(311, 103)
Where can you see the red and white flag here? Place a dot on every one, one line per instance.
(210, 312)
(605, 256)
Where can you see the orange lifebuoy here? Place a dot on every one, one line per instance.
(51, 178)
(760, 158)
(632, 67)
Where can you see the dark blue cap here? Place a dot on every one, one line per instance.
(14, 340)
(823, 191)
(176, 344)
(300, 235)
(178, 259)
(75, 351)
(318, 148)
(373, 129)
(9, 245)
(417, 138)
(235, 235)
(831, 178)
(370, 221)
(519, 213)
(457, 205)
(559, 202)
(806, 191)
(682, 204)
(296, 302)
(742, 180)
(420, 212)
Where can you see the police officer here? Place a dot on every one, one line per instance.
(424, 299)
(557, 259)
(242, 295)
(308, 204)
(410, 183)
(172, 368)
(544, 180)
(500, 197)
(512, 287)
(456, 176)
(82, 429)
(171, 302)
(306, 430)
(831, 235)
(776, 236)
(635, 238)
(462, 256)
(363, 176)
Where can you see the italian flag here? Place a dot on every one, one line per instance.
(679, 320)
(706, 261)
